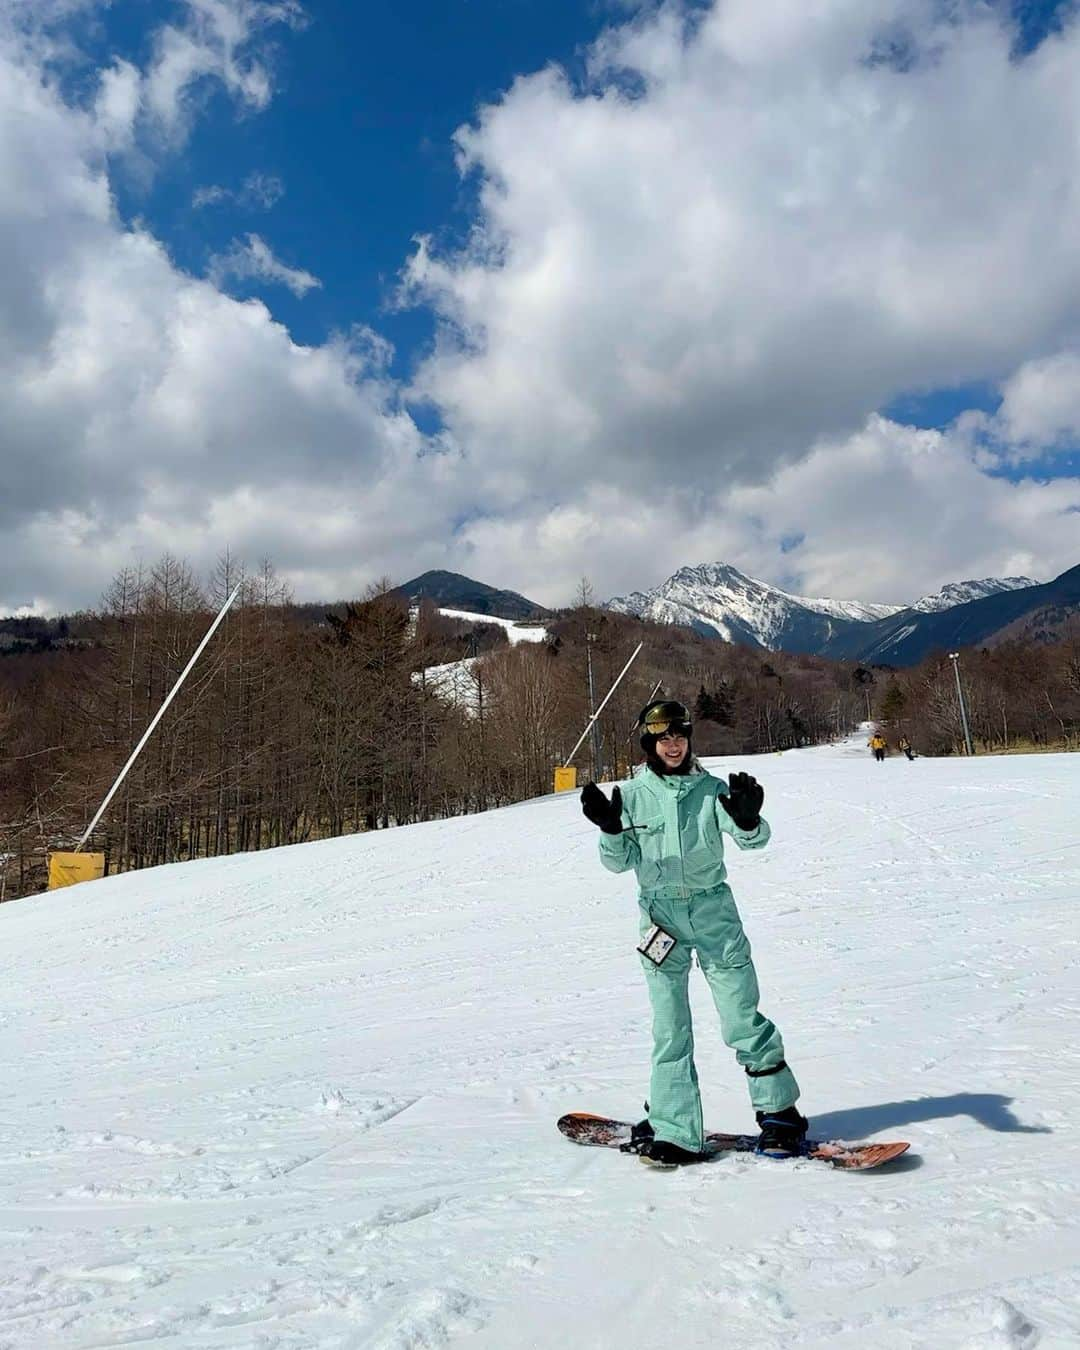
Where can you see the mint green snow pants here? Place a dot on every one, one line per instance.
(709, 924)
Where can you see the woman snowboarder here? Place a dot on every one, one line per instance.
(667, 824)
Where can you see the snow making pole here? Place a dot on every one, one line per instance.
(954, 657)
(565, 773)
(590, 638)
(655, 690)
(634, 726)
(159, 715)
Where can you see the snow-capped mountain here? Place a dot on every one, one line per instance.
(720, 601)
(960, 592)
(1037, 613)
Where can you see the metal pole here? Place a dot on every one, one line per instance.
(158, 716)
(602, 706)
(954, 657)
(634, 726)
(655, 690)
(589, 639)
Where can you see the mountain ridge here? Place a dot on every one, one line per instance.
(452, 590)
(907, 638)
(718, 600)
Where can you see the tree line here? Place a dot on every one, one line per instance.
(293, 728)
(1019, 696)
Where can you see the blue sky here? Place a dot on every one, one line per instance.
(1035, 18)
(694, 299)
(360, 132)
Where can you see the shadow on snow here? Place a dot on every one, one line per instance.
(990, 1109)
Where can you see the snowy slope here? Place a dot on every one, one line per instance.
(516, 631)
(306, 1098)
(453, 682)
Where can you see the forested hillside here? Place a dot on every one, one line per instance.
(292, 729)
(301, 723)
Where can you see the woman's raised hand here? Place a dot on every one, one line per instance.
(596, 807)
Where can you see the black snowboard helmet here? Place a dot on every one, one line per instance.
(657, 719)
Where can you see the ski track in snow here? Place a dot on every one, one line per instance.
(307, 1098)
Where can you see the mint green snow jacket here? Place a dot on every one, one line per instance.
(672, 837)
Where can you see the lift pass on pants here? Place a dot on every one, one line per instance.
(656, 945)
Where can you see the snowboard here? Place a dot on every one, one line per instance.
(601, 1132)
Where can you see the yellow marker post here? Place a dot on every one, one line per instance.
(68, 869)
(565, 778)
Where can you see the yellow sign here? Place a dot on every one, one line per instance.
(565, 779)
(65, 869)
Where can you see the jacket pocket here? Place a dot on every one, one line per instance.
(649, 832)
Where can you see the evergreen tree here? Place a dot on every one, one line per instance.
(893, 704)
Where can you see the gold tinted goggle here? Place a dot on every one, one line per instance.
(667, 727)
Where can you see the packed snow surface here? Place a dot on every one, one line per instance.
(307, 1097)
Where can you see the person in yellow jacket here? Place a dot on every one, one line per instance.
(878, 745)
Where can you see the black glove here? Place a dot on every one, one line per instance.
(744, 800)
(597, 808)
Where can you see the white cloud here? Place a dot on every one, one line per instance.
(1041, 403)
(218, 40)
(117, 106)
(144, 409)
(212, 44)
(886, 515)
(262, 189)
(751, 231)
(890, 510)
(211, 195)
(689, 288)
(259, 191)
(253, 260)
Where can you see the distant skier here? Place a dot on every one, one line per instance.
(878, 745)
(668, 823)
(905, 745)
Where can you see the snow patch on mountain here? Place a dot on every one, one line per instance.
(960, 592)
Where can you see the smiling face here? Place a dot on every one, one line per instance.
(665, 736)
(671, 748)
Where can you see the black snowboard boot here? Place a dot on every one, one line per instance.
(640, 1135)
(782, 1133)
(661, 1153)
